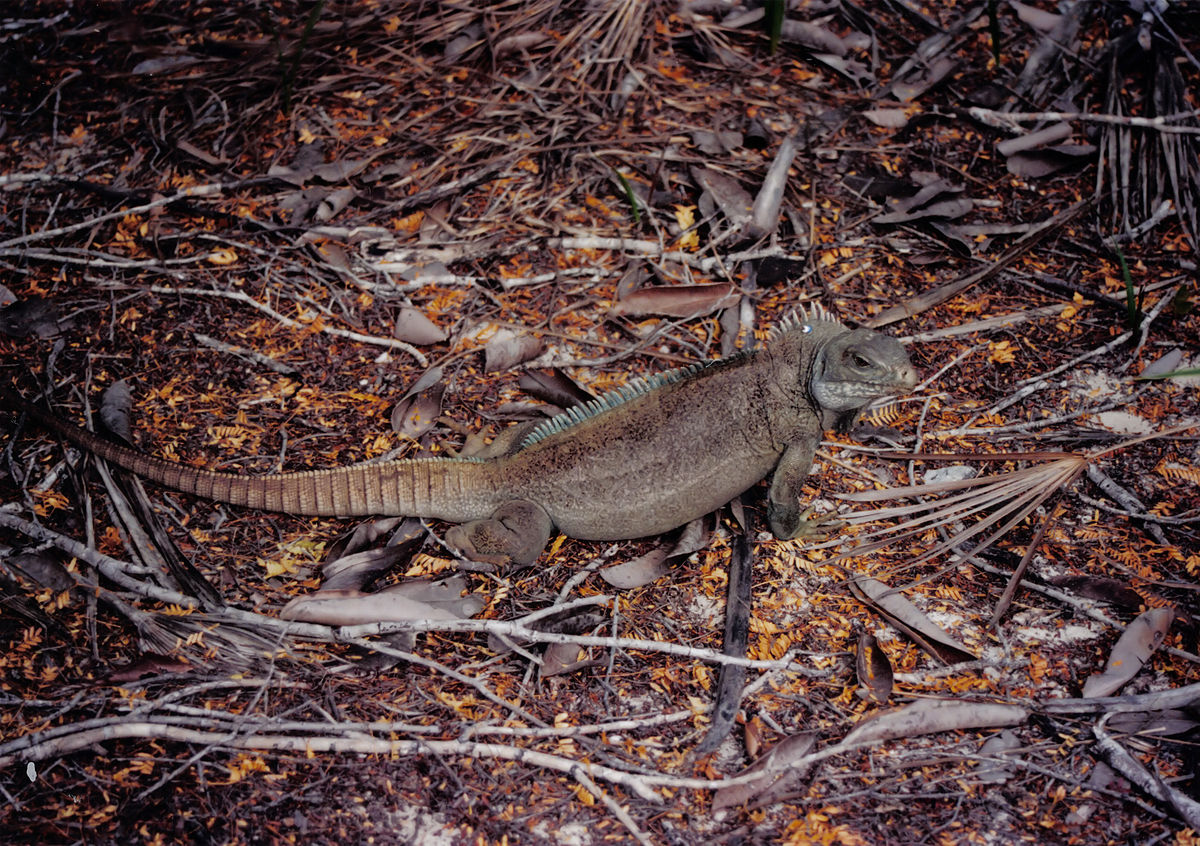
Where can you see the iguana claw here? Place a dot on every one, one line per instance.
(803, 524)
(817, 527)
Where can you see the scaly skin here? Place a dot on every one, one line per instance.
(643, 466)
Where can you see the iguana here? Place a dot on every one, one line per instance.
(639, 461)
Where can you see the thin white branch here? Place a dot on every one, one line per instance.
(1120, 759)
(517, 629)
(243, 297)
(209, 190)
(1011, 120)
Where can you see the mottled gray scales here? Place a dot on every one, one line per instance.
(640, 460)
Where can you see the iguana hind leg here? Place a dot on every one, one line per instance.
(516, 533)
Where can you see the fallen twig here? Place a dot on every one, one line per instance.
(929, 299)
(1011, 120)
(1119, 759)
(243, 297)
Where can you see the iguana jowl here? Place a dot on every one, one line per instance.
(633, 463)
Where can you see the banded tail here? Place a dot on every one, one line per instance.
(446, 489)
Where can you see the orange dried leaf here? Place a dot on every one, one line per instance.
(678, 73)
(1002, 352)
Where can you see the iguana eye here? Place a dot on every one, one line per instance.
(860, 361)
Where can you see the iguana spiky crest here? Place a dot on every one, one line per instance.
(801, 319)
(576, 414)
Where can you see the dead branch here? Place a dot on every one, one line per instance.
(1010, 121)
(1120, 760)
(243, 297)
(928, 300)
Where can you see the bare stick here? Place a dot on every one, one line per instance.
(1000, 321)
(115, 570)
(617, 811)
(765, 218)
(1119, 759)
(1014, 581)
(243, 297)
(929, 299)
(1010, 120)
(188, 193)
(517, 630)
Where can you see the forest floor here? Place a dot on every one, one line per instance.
(301, 235)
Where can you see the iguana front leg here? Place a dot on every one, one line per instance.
(516, 533)
(784, 514)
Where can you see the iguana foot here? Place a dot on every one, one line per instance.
(796, 524)
(516, 533)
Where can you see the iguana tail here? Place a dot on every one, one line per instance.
(446, 489)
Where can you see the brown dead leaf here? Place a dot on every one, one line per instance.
(43, 568)
(639, 571)
(555, 387)
(916, 81)
(356, 570)
(1101, 589)
(932, 716)
(149, 664)
(1033, 140)
(778, 774)
(333, 202)
(906, 617)
(33, 316)
(519, 43)
(946, 209)
(506, 349)
(855, 71)
(1038, 19)
(367, 533)
(997, 746)
(352, 608)
(677, 300)
(412, 326)
(716, 143)
(657, 562)
(1165, 723)
(449, 594)
(887, 118)
(752, 736)
(816, 37)
(726, 193)
(1133, 649)
(115, 405)
(1037, 163)
(408, 601)
(416, 413)
(873, 668)
(161, 65)
(562, 658)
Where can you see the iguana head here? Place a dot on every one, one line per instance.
(853, 369)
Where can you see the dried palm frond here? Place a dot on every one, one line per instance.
(1003, 499)
(605, 40)
(996, 503)
(211, 640)
(599, 38)
(1146, 169)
